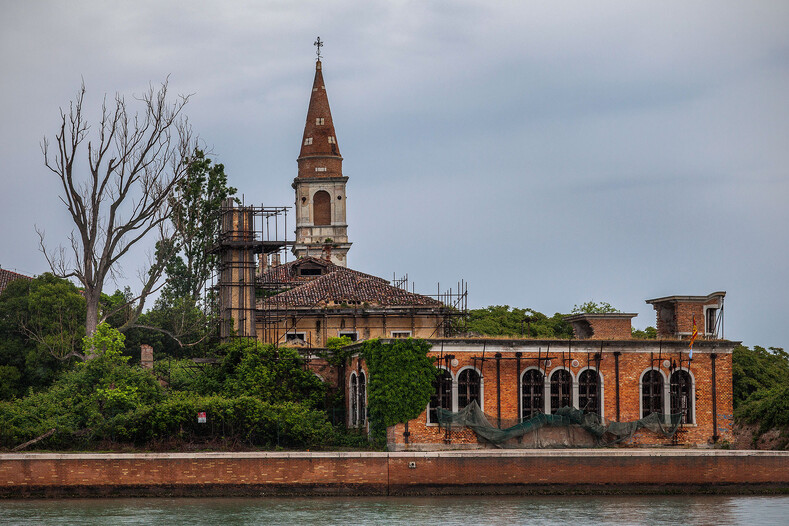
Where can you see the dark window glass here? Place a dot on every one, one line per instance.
(442, 395)
(589, 391)
(651, 393)
(468, 388)
(532, 394)
(681, 392)
(561, 389)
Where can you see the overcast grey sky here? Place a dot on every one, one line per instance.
(547, 152)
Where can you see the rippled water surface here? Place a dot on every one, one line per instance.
(403, 510)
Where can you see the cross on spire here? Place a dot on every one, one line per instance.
(319, 45)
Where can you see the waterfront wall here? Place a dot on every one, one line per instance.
(403, 473)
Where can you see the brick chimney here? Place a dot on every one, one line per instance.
(146, 356)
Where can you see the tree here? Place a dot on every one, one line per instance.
(134, 161)
(195, 204)
(592, 307)
(42, 323)
(502, 320)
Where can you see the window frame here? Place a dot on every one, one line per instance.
(541, 409)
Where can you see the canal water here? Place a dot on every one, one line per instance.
(466, 511)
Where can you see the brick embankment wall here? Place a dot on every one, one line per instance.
(426, 473)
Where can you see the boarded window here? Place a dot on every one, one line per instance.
(651, 393)
(681, 389)
(561, 389)
(532, 394)
(321, 208)
(468, 388)
(589, 391)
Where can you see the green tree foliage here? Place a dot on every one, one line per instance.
(756, 370)
(501, 320)
(275, 374)
(195, 204)
(650, 333)
(264, 397)
(592, 307)
(400, 382)
(42, 323)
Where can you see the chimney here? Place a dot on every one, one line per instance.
(146, 356)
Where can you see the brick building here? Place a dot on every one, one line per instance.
(604, 371)
(305, 302)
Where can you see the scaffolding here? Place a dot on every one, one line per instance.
(244, 233)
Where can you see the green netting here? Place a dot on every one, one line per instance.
(603, 432)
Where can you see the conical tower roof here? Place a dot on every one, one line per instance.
(320, 152)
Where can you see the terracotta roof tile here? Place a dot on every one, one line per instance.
(287, 273)
(345, 286)
(6, 277)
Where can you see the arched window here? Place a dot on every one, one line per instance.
(321, 208)
(468, 388)
(651, 393)
(362, 403)
(442, 395)
(561, 389)
(353, 400)
(589, 392)
(532, 394)
(681, 395)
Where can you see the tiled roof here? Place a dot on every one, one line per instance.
(6, 277)
(288, 274)
(345, 286)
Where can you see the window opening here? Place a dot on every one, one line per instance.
(589, 391)
(681, 392)
(401, 334)
(651, 393)
(711, 315)
(532, 394)
(362, 404)
(300, 337)
(468, 388)
(354, 399)
(319, 121)
(442, 395)
(561, 393)
(352, 335)
(321, 203)
(307, 141)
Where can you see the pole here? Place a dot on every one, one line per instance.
(498, 390)
(616, 371)
(715, 436)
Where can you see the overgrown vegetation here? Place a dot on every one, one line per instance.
(761, 387)
(502, 320)
(400, 382)
(257, 396)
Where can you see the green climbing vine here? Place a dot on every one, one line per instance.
(400, 382)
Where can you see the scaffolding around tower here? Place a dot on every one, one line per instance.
(249, 238)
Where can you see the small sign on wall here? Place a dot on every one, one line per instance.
(201, 418)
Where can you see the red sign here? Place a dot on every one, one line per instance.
(201, 418)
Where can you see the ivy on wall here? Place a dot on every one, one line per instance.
(400, 382)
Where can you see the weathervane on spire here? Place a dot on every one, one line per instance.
(319, 45)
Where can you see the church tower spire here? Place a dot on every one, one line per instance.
(321, 229)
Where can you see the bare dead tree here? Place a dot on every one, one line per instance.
(121, 196)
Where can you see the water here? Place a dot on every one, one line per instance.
(467, 511)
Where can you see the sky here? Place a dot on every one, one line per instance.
(548, 153)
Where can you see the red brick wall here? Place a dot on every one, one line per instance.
(612, 329)
(631, 366)
(382, 473)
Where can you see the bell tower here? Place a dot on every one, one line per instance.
(321, 228)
